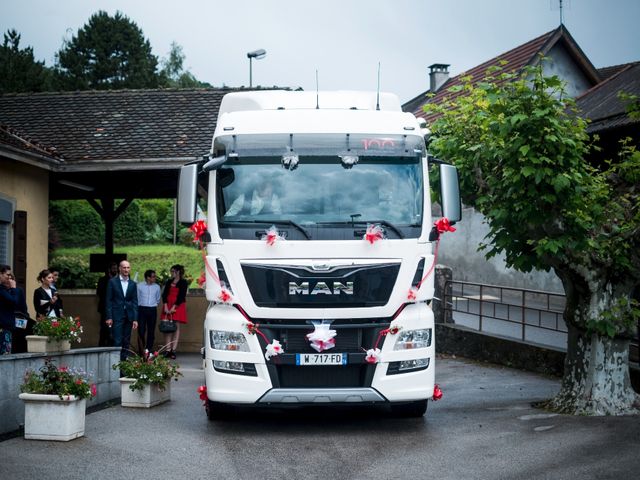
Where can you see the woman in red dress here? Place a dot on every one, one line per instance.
(174, 298)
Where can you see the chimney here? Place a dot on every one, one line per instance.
(438, 75)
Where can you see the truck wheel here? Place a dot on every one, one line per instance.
(410, 410)
(218, 411)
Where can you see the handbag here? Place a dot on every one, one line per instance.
(167, 325)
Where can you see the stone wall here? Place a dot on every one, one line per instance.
(463, 342)
(96, 361)
(84, 304)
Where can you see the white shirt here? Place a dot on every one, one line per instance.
(257, 204)
(125, 283)
(148, 294)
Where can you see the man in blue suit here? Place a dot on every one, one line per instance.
(121, 307)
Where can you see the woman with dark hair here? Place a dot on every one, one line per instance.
(174, 307)
(46, 301)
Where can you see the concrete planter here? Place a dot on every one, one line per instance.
(48, 417)
(40, 344)
(148, 397)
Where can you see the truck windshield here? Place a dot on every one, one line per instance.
(322, 197)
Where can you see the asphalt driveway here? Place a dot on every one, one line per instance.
(484, 427)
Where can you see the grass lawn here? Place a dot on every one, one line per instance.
(141, 257)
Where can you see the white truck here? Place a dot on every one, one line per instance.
(319, 236)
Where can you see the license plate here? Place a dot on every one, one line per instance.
(321, 358)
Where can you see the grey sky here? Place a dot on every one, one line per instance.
(343, 39)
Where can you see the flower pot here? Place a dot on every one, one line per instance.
(48, 417)
(149, 396)
(40, 344)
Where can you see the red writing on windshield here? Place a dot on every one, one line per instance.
(377, 143)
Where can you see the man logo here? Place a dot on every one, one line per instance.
(321, 288)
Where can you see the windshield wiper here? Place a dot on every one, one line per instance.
(297, 226)
(354, 222)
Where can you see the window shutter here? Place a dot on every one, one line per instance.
(20, 247)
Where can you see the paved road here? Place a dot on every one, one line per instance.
(483, 428)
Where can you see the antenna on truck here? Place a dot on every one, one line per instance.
(317, 93)
(378, 91)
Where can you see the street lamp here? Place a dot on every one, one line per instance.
(258, 55)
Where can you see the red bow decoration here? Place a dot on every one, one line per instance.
(373, 356)
(413, 294)
(271, 236)
(199, 228)
(374, 233)
(437, 393)
(383, 333)
(202, 390)
(252, 328)
(202, 280)
(224, 296)
(443, 225)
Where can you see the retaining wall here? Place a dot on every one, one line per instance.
(84, 304)
(97, 361)
(464, 342)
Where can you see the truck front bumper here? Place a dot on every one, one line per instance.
(281, 381)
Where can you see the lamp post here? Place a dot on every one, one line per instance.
(258, 55)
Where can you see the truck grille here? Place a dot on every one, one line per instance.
(348, 286)
(354, 337)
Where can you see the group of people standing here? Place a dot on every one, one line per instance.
(15, 323)
(125, 305)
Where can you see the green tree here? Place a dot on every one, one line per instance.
(520, 149)
(107, 53)
(174, 75)
(19, 71)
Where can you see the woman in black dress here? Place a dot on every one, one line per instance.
(46, 300)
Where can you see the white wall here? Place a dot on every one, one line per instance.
(459, 250)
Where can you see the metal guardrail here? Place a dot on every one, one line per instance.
(529, 315)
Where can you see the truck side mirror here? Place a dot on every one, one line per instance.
(187, 190)
(450, 193)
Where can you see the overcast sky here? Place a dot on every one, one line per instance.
(343, 39)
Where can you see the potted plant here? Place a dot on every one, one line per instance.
(54, 334)
(146, 380)
(55, 402)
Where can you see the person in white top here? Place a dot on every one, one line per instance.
(148, 301)
(263, 201)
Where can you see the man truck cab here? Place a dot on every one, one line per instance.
(319, 223)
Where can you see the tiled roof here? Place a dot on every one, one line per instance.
(516, 59)
(21, 141)
(116, 125)
(601, 104)
(606, 72)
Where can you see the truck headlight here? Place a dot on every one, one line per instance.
(411, 339)
(407, 366)
(229, 341)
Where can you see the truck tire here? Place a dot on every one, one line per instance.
(410, 410)
(218, 411)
